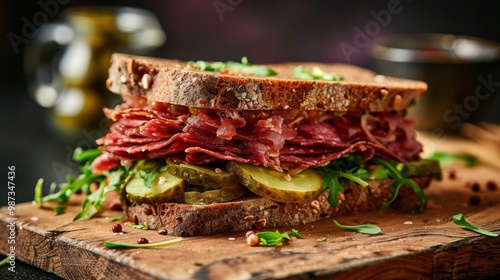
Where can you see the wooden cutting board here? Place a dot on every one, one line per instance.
(423, 246)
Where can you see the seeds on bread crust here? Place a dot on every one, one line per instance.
(172, 82)
(146, 81)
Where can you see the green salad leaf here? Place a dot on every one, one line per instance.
(445, 158)
(117, 218)
(4, 261)
(150, 171)
(119, 245)
(366, 228)
(109, 181)
(243, 67)
(138, 226)
(395, 174)
(351, 169)
(269, 238)
(316, 73)
(459, 220)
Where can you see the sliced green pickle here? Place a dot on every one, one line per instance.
(269, 183)
(164, 188)
(224, 194)
(202, 175)
(421, 168)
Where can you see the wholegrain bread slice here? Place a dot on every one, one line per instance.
(175, 82)
(256, 212)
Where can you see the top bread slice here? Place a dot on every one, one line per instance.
(175, 82)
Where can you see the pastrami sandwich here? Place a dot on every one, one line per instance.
(206, 147)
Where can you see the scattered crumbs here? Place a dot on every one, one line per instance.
(463, 204)
(231, 238)
(287, 177)
(34, 219)
(118, 233)
(408, 223)
(321, 239)
(438, 220)
(198, 263)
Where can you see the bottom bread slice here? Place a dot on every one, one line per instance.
(256, 212)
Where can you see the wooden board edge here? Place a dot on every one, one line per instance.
(62, 259)
(472, 260)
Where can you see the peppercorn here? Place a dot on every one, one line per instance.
(452, 175)
(475, 200)
(116, 228)
(491, 185)
(142, 240)
(474, 186)
(115, 206)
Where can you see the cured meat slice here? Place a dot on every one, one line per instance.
(276, 139)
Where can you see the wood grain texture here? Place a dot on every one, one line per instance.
(423, 246)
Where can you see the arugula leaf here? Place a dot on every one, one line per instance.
(300, 72)
(117, 218)
(269, 238)
(151, 171)
(332, 183)
(350, 168)
(445, 158)
(244, 67)
(4, 261)
(366, 228)
(400, 181)
(397, 186)
(38, 192)
(59, 210)
(459, 220)
(119, 245)
(339, 171)
(321, 239)
(93, 201)
(81, 155)
(295, 233)
(138, 226)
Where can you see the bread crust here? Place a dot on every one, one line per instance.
(256, 212)
(174, 82)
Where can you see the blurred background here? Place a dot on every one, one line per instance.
(54, 58)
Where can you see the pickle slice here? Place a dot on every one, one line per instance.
(266, 182)
(224, 194)
(165, 188)
(201, 175)
(421, 168)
